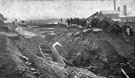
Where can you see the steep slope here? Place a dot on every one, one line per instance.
(101, 52)
(21, 58)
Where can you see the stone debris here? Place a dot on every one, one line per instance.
(81, 53)
(21, 31)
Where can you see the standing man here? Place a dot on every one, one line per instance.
(61, 19)
(129, 31)
(71, 20)
(67, 21)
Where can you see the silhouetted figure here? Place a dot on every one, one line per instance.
(83, 23)
(78, 21)
(71, 21)
(15, 20)
(61, 19)
(68, 21)
(129, 31)
(22, 21)
(124, 28)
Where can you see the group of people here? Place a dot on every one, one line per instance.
(128, 30)
(76, 21)
(125, 28)
(69, 21)
(111, 26)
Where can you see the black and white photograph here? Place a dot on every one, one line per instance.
(67, 38)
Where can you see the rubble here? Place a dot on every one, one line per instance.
(103, 52)
(23, 32)
(29, 62)
(95, 52)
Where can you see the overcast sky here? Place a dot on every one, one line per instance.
(46, 9)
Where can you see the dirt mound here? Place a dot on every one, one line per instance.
(21, 58)
(85, 52)
(101, 52)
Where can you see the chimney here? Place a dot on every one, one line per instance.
(118, 9)
(124, 10)
(114, 1)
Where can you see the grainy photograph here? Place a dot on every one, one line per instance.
(67, 38)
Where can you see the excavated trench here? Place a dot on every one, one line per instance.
(104, 54)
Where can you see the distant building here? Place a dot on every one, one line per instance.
(114, 15)
(118, 16)
(97, 15)
(128, 19)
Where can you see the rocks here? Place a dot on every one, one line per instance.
(86, 55)
(103, 51)
(24, 61)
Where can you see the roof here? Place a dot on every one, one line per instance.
(114, 15)
(110, 12)
(129, 16)
(98, 15)
(128, 19)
